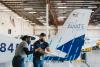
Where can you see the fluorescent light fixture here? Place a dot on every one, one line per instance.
(39, 18)
(78, 1)
(28, 8)
(32, 12)
(45, 24)
(62, 7)
(27, 20)
(30, 21)
(2, 10)
(43, 21)
(19, 17)
(62, 17)
(92, 7)
(42, 12)
(61, 3)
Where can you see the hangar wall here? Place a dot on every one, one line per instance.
(13, 25)
(43, 29)
(93, 32)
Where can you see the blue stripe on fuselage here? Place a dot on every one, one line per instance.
(72, 48)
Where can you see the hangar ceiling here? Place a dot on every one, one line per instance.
(35, 10)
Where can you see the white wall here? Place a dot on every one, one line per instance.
(22, 27)
(93, 32)
(43, 29)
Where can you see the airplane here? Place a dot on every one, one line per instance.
(69, 41)
(68, 48)
(67, 44)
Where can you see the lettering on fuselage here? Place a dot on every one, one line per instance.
(11, 48)
(76, 26)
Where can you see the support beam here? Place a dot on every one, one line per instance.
(47, 18)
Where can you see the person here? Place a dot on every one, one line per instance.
(21, 52)
(41, 47)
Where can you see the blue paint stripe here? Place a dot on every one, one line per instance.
(77, 44)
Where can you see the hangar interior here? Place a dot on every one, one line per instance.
(31, 17)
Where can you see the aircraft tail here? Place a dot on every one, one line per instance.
(69, 40)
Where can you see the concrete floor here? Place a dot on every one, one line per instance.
(93, 59)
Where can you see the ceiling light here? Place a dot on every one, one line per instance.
(45, 24)
(43, 21)
(2, 10)
(32, 12)
(19, 17)
(27, 20)
(61, 3)
(62, 7)
(42, 12)
(28, 8)
(92, 7)
(61, 18)
(78, 1)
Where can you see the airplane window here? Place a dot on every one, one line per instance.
(9, 31)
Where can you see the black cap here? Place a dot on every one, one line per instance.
(25, 37)
(43, 34)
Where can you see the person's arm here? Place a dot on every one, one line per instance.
(40, 49)
(47, 49)
(27, 51)
(36, 48)
(25, 45)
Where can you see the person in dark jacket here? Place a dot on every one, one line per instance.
(41, 47)
(21, 52)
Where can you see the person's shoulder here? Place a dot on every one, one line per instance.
(36, 42)
(46, 43)
(23, 43)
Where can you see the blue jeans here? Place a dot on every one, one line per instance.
(18, 61)
(38, 63)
